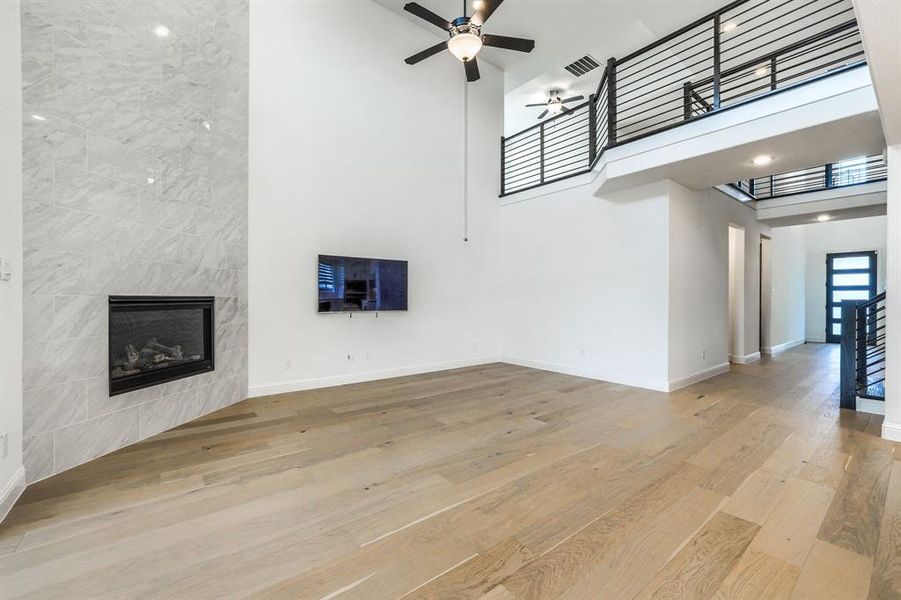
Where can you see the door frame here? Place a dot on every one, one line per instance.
(873, 270)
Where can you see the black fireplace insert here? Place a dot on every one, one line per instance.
(154, 339)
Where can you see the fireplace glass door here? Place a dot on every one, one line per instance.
(153, 339)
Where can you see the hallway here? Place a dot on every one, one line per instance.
(491, 482)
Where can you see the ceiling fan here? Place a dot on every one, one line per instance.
(466, 37)
(554, 104)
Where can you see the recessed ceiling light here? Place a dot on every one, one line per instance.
(823, 218)
(762, 160)
(150, 180)
(730, 26)
(38, 118)
(161, 31)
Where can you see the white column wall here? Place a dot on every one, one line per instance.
(891, 427)
(12, 473)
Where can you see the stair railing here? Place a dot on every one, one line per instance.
(863, 350)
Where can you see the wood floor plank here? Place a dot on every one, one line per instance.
(791, 528)
(497, 482)
(833, 573)
(886, 580)
(854, 519)
(759, 575)
(701, 566)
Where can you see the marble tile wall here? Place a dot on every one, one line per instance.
(135, 164)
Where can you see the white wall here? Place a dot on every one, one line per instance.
(12, 473)
(766, 298)
(821, 239)
(376, 172)
(699, 283)
(891, 427)
(736, 292)
(587, 281)
(787, 292)
(630, 287)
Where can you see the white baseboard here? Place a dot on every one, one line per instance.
(649, 384)
(284, 387)
(11, 492)
(744, 360)
(891, 431)
(774, 350)
(874, 407)
(713, 371)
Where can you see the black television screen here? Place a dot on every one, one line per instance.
(350, 284)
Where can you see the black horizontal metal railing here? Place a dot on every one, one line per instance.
(742, 52)
(853, 171)
(863, 350)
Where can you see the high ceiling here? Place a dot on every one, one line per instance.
(564, 30)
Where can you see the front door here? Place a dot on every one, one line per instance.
(849, 276)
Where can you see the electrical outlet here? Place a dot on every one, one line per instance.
(6, 270)
(351, 356)
(703, 354)
(288, 365)
(582, 353)
(475, 345)
(4, 444)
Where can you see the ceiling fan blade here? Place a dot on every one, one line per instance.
(564, 110)
(542, 115)
(531, 105)
(472, 69)
(427, 15)
(508, 43)
(412, 60)
(573, 99)
(486, 7)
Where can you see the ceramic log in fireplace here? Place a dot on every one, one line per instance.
(154, 339)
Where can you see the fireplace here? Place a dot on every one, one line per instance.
(154, 339)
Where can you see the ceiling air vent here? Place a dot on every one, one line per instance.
(583, 65)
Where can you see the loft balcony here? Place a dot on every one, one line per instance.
(695, 106)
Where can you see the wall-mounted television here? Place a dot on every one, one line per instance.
(348, 283)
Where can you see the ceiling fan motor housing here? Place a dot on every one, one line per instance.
(463, 25)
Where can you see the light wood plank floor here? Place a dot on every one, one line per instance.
(496, 482)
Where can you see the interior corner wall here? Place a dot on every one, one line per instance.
(699, 282)
(587, 281)
(135, 183)
(356, 153)
(788, 290)
(12, 475)
(891, 426)
(821, 239)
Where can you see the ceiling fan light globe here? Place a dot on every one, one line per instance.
(555, 108)
(465, 46)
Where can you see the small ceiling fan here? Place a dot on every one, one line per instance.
(466, 37)
(554, 104)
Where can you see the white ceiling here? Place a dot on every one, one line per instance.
(563, 30)
(835, 214)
